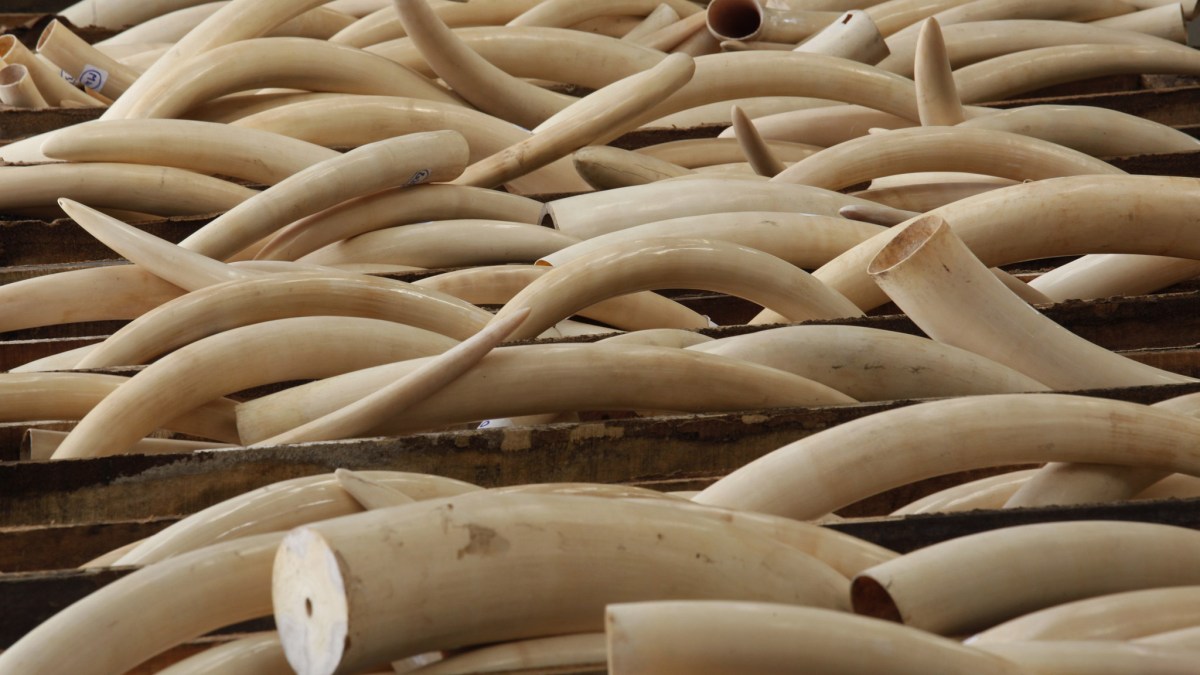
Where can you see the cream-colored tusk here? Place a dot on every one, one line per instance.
(496, 285)
(300, 63)
(332, 616)
(605, 167)
(18, 90)
(667, 262)
(1006, 76)
(1064, 10)
(151, 189)
(1185, 637)
(721, 636)
(119, 15)
(976, 581)
(383, 24)
(894, 15)
(579, 650)
(852, 35)
(698, 152)
(1167, 21)
(405, 160)
(877, 214)
(225, 306)
(69, 297)
(474, 78)
(985, 493)
(937, 96)
(1104, 275)
(252, 155)
(740, 46)
(396, 206)
(564, 13)
(257, 654)
(447, 243)
(53, 88)
(273, 351)
(662, 16)
(751, 20)
(85, 63)
(418, 385)
(576, 377)
(824, 127)
(1096, 131)
(590, 215)
(351, 121)
(279, 507)
(873, 365)
(922, 197)
(904, 446)
(1120, 616)
(43, 443)
(757, 152)
(661, 337)
(1094, 657)
(804, 240)
(370, 494)
(676, 34)
(717, 113)
(996, 153)
(597, 117)
(71, 396)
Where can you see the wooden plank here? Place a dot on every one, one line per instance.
(58, 547)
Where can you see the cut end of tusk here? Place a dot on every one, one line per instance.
(308, 591)
(734, 19)
(907, 242)
(868, 597)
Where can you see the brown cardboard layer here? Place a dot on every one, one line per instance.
(40, 242)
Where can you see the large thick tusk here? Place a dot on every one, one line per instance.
(279, 507)
(758, 153)
(935, 278)
(474, 78)
(332, 617)
(996, 153)
(904, 446)
(18, 90)
(1167, 21)
(702, 636)
(852, 35)
(405, 160)
(258, 654)
(69, 297)
(226, 306)
(53, 88)
(1096, 131)
(1120, 616)
(750, 20)
(873, 365)
(698, 152)
(937, 97)
(71, 396)
(150, 189)
(300, 63)
(274, 351)
(74, 55)
(1104, 275)
(590, 215)
(605, 167)
(598, 117)
(1094, 657)
(666, 262)
(446, 243)
(825, 127)
(578, 650)
(564, 13)
(252, 155)
(976, 581)
(576, 377)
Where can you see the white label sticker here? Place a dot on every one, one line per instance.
(492, 424)
(93, 77)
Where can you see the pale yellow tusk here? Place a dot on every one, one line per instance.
(922, 197)
(1094, 657)
(661, 337)
(824, 127)
(68, 297)
(53, 88)
(937, 96)
(894, 15)
(698, 152)
(985, 493)
(1120, 616)
(383, 24)
(663, 15)
(757, 152)
(17, 88)
(370, 494)
(605, 167)
(718, 112)
(1096, 131)
(1168, 21)
(258, 653)
(75, 56)
(1067, 10)
(1104, 275)
(852, 35)
(676, 34)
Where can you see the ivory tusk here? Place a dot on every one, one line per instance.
(985, 493)
(1095, 657)
(370, 494)
(231, 305)
(605, 167)
(721, 636)
(824, 127)
(1063, 10)
(257, 654)
(119, 15)
(852, 35)
(676, 34)
(894, 15)
(978, 580)
(577, 377)
(753, 146)
(68, 297)
(1184, 637)
(937, 95)
(519, 532)
(597, 117)
(75, 56)
(873, 365)
(661, 337)
(405, 160)
(43, 443)
(1120, 616)
(697, 152)
(718, 112)
(740, 46)
(429, 378)
(53, 88)
(1096, 131)
(921, 197)
(446, 243)
(252, 155)
(661, 16)
(383, 24)
(750, 20)
(666, 262)
(823, 474)
(1106, 275)
(1166, 21)
(274, 351)
(579, 650)
(996, 153)
(566, 12)
(17, 88)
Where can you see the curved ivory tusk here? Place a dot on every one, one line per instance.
(258, 654)
(704, 636)
(597, 117)
(429, 378)
(383, 24)
(119, 15)
(1094, 657)
(922, 197)
(579, 650)
(274, 351)
(873, 365)
(718, 112)
(1120, 616)
(396, 206)
(446, 243)
(649, 264)
(1006, 76)
(278, 507)
(17, 88)
(43, 443)
(1167, 21)
(661, 337)
(751, 20)
(577, 377)
(474, 78)
(753, 146)
(660, 17)
(151, 189)
(1105, 275)
(68, 297)
(590, 215)
(566, 12)
(1064, 10)
(405, 160)
(555, 540)
(698, 152)
(370, 494)
(1096, 131)
(605, 167)
(74, 55)
(985, 493)
(824, 127)
(238, 303)
(497, 285)
(938, 282)
(975, 581)
(996, 153)
(892, 16)
(252, 155)
(1184, 637)
(937, 96)
(53, 88)
(804, 240)
(71, 396)
(319, 22)
(852, 35)
(301, 63)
